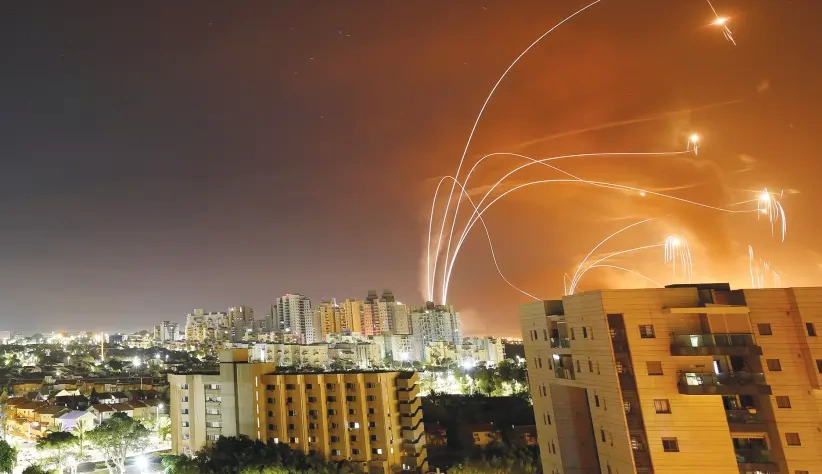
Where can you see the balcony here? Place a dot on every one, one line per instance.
(755, 460)
(714, 344)
(743, 421)
(562, 373)
(560, 343)
(739, 383)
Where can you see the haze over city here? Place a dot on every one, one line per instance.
(205, 154)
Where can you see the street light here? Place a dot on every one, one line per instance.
(142, 463)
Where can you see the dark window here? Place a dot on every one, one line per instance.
(351, 411)
(355, 451)
(270, 413)
(289, 400)
(271, 427)
(670, 445)
(292, 413)
(602, 434)
(371, 411)
(373, 437)
(312, 426)
(351, 398)
(662, 406)
(290, 386)
(308, 386)
(312, 399)
(353, 438)
(370, 385)
(372, 424)
(646, 331)
(270, 387)
(549, 419)
(811, 329)
(330, 398)
(783, 402)
(654, 367)
(370, 398)
(291, 427)
(332, 412)
(596, 401)
(335, 439)
(793, 439)
(573, 335)
(584, 332)
(774, 365)
(819, 365)
(349, 385)
(579, 367)
(329, 386)
(270, 400)
(545, 334)
(764, 329)
(590, 366)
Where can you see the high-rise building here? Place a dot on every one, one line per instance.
(211, 326)
(351, 316)
(398, 313)
(294, 313)
(435, 323)
(687, 378)
(166, 332)
(329, 314)
(371, 418)
(241, 321)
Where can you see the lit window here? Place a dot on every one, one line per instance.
(646, 331)
(662, 406)
(670, 445)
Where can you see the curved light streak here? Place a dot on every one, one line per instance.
(474, 128)
(488, 235)
(599, 184)
(629, 271)
(531, 161)
(606, 257)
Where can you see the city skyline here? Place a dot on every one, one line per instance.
(203, 157)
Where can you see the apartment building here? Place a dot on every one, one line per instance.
(679, 379)
(373, 418)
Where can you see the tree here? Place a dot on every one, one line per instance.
(80, 429)
(35, 469)
(8, 456)
(182, 464)
(164, 427)
(116, 437)
(59, 443)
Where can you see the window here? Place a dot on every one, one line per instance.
(764, 329)
(370, 385)
(819, 365)
(312, 439)
(370, 398)
(539, 362)
(312, 399)
(654, 367)
(596, 401)
(602, 435)
(376, 450)
(590, 366)
(331, 398)
(351, 411)
(351, 398)
(270, 387)
(184, 398)
(545, 334)
(291, 426)
(670, 445)
(372, 438)
(372, 424)
(811, 329)
(549, 418)
(646, 331)
(308, 386)
(334, 426)
(793, 439)
(270, 413)
(662, 405)
(371, 411)
(353, 425)
(335, 452)
(355, 451)
(329, 386)
(292, 413)
(349, 386)
(312, 426)
(184, 411)
(335, 439)
(289, 400)
(272, 427)
(584, 332)
(293, 440)
(774, 365)
(573, 335)
(332, 412)
(270, 400)
(353, 438)
(783, 402)
(290, 386)
(312, 413)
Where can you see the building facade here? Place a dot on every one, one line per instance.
(240, 321)
(687, 378)
(435, 323)
(295, 315)
(371, 418)
(207, 326)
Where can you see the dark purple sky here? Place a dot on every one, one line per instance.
(162, 156)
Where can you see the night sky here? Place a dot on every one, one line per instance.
(161, 156)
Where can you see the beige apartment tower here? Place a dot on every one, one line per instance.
(371, 418)
(687, 378)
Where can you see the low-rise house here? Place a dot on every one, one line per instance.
(143, 394)
(74, 402)
(124, 408)
(25, 411)
(108, 398)
(45, 415)
(140, 409)
(69, 420)
(101, 412)
(524, 435)
(479, 434)
(435, 435)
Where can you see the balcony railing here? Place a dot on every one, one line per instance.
(718, 344)
(738, 383)
(563, 373)
(560, 342)
(742, 416)
(756, 457)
